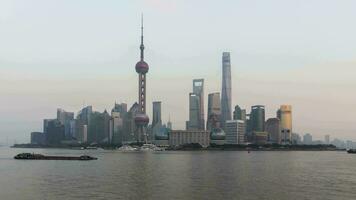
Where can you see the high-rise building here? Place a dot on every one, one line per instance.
(65, 118)
(198, 89)
(257, 118)
(54, 132)
(239, 114)
(45, 124)
(308, 139)
(141, 119)
(116, 128)
(84, 114)
(273, 130)
(235, 131)
(38, 138)
(285, 116)
(129, 126)
(120, 108)
(214, 110)
(118, 116)
(156, 119)
(327, 139)
(169, 124)
(99, 127)
(81, 131)
(194, 114)
(156, 114)
(226, 88)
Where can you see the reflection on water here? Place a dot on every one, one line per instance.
(179, 175)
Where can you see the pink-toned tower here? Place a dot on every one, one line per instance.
(141, 119)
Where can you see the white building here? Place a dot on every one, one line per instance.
(235, 131)
(180, 137)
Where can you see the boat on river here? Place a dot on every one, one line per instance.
(351, 151)
(32, 156)
(150, 147)
(128, 148)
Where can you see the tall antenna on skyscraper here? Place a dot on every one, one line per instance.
(142, 47)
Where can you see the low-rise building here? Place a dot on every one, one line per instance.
(260, 137)
(180, 137)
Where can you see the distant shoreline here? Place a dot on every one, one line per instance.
(197, 147)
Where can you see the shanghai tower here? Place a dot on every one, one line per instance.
(226, 89)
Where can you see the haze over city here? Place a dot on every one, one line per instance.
(65, 54)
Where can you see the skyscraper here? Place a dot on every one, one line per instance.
(141, 119)
(99, 127)
(226, 88)
(198, 89)
(257, 118)
(84, 114)
(54, 132)
(169, 123)
(239, 114)
(156, 115)
(156, 118)
(327, 139)
(214, 109)
(118, 114)
(194, 107)
(65, 118)
(285, 116)
(273, 130)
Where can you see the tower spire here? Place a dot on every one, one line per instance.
(142, 47)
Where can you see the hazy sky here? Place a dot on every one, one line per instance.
(65, 53)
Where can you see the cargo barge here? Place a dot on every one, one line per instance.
(32, 156)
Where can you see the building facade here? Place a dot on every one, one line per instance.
(257, 118)
(214, 109)
(273, 130)
(181, 137)
(194, 114)
(235, 131)
(156, 117)
(285, 116)
(54, 132)
(239, 114)
(38, 138)
(308, 139)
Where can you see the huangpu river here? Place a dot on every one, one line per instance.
(180, 175)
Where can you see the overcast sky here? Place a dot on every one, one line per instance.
(66, 54)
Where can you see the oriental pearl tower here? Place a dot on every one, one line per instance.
(141, 119)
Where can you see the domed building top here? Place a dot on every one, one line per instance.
(217, 134)
(142, 67)
(141, 119)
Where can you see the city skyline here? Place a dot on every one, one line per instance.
(34, 92)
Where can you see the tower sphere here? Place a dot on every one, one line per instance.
(141, 119)
(217, 134)
(142, 67)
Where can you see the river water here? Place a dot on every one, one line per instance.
(180, 175)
